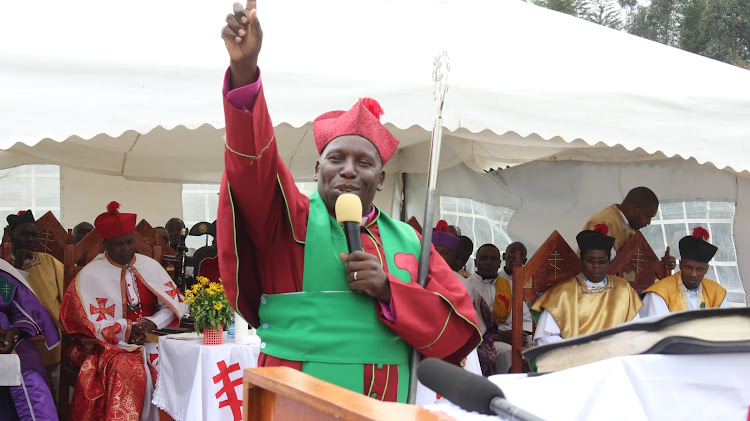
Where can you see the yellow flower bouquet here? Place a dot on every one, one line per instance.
(209, 305)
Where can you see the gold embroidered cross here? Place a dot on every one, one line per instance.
(637, 260)
(45, 239)
(553, 259)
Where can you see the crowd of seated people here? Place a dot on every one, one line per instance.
(113, 382)
(588, 302)
(120, 296)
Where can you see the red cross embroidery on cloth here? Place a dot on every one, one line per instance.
(174, 292)
(102, 311)
(153, 357)
(227, 387)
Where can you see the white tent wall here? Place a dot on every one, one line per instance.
(561, 196)
(386, 198)
(84, 195)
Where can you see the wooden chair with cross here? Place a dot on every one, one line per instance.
(51, 238)
(553, 262)
(638, 264)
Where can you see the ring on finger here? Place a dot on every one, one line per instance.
(355, 275)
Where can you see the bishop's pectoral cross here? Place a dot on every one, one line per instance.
(6, 289)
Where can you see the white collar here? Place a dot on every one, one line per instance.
(624, 218)
(594, 285)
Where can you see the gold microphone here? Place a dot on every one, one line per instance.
(349, 216)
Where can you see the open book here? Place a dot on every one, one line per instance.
(685, 332)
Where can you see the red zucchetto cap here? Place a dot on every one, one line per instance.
(113, 224)
(363, 119)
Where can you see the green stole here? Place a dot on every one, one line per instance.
(330, 328)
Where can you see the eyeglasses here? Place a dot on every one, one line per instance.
(592, 261)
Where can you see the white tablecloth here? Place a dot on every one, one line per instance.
(425, 396)
(639, 387)
(199, 382)
(190, 377)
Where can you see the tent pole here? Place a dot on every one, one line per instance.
(440, 77)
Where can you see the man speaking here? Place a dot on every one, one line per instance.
(346, 318)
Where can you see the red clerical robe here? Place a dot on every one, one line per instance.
(116, 379)
(261, 227)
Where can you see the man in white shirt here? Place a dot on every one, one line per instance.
(491, 290)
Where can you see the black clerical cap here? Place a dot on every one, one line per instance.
(596, 239)
(23, 217)
(695, 247)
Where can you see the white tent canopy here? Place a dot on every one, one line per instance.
(134, 90)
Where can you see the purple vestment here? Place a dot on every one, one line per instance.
(20, 308)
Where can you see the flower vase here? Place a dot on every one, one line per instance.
(212, 336)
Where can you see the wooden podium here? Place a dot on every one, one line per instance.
(283, 393)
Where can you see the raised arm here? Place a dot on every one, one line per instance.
(243, 37)
(251, 195)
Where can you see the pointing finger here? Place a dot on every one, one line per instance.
(252, 17)
(251, 5)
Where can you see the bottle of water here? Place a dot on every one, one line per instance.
(230, 330)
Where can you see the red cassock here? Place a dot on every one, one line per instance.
(261, 227)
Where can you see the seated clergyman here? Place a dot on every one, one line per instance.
(118, 298)
(590, 301)
(23, 316)
(687, 289)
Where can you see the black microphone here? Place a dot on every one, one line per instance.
(349, 215)
(469, 391)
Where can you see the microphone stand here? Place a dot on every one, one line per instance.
(501, 406)
(440, 78)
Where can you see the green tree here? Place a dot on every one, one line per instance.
(725, 31)
(658, 21)
(719, 29)
(690, 28)
(603, 12)
(575, 8)
(628, 5)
